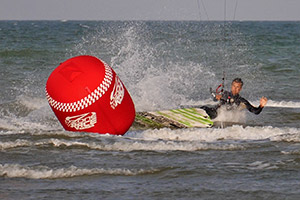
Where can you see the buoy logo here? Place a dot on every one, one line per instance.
(83, 121)
(117, 94)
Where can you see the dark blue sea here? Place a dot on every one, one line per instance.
(164, 65)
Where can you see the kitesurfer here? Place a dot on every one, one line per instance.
(232, 100)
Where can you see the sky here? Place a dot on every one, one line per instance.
(150, 10)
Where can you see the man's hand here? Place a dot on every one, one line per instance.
(218, 97)
(263, 101)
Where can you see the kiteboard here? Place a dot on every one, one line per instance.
(174, 119)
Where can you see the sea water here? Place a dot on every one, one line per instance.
(164, 65)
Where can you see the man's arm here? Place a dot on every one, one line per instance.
(255, 110)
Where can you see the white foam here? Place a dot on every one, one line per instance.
(14, 144)
(193, 139)
(43, 172)
(127, 145)
(5, 123)
(291, 152)
(270, 103)
(216, 134)
(283, 104)
(293, 135)
(185, 139)
(142, 145)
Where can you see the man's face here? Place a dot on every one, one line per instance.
(236, 88)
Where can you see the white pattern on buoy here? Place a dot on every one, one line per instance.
(83, 121)
(117, 94)
(86, 101)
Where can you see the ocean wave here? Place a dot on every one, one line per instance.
(26, 115)
(271, 103)
(132, 145)
(283, 104)
(44, 172)
(14, 144)
(260, 165)
(292, 136)
(215, 134)
(125, 145)
(253, 166)
(12, 124)
(291, 152)
(197, 139)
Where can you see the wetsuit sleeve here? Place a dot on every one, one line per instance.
(255, 110)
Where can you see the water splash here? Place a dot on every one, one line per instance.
(236, 116)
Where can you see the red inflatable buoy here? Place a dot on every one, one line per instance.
(87, 95)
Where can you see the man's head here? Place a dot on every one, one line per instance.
(236, 86)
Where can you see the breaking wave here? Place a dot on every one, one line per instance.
(44, 172)
(194, 139)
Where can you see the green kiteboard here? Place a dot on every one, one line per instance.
(175, 118)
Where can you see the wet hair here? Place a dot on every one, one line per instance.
(238, 80)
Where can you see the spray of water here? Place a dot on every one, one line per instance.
(165, 65)
(235, 116)
(158, 67)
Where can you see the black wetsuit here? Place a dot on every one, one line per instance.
(231, 102)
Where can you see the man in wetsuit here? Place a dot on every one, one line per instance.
(232, 100)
